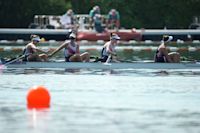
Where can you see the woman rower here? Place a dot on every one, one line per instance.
(109, 48)
(72, 52)
(162, 54)
(30, 51)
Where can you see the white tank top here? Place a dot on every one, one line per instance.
(70, 49)
(29, 51)
(108, 47)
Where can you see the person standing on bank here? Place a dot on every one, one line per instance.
(113, 19)
(71, 51)
(162, 54)
(31, 50)
(94, 12)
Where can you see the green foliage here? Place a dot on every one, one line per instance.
(20, 13)
(133, 13)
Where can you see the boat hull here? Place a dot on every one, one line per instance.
(80, 65)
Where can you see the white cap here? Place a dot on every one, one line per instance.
(72, 35)
(36, 39)
(115, 37)
(168, 39)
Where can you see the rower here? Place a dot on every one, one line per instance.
(109, 48)
(162, 54)
(71, 51)
(31, 50)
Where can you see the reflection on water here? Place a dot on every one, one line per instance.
(102, 101)
(117, 72)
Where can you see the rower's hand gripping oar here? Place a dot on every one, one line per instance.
(55, 51)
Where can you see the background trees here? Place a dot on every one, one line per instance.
(20, 13)
(134, 13)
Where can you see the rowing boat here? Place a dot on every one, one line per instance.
(92, 65)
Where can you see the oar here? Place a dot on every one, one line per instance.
(94, 57)
(185, 59)
(120, 60)
(12, 61)
(128, 61)
(108, 60)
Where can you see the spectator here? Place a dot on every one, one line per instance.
(98, 23)
(113, 19)
(93, 12)
(68, 21)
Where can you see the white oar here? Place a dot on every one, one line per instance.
(12, 61)
(108, 60)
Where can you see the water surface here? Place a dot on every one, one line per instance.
(96, 101)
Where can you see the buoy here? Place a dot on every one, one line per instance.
(38, 97)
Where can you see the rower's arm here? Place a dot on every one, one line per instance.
(109, 50)
(164, 51)
(40, 50)
(32, 47)
(112, 52)
(58, 49)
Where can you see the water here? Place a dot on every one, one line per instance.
(96, 101)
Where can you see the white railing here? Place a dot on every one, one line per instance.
(81, 20)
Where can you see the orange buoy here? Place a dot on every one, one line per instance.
(38, 97)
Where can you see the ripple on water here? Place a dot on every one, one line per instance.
(99, 101)
(117, 72)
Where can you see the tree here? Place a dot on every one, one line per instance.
(20, 13)
(133, 13)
